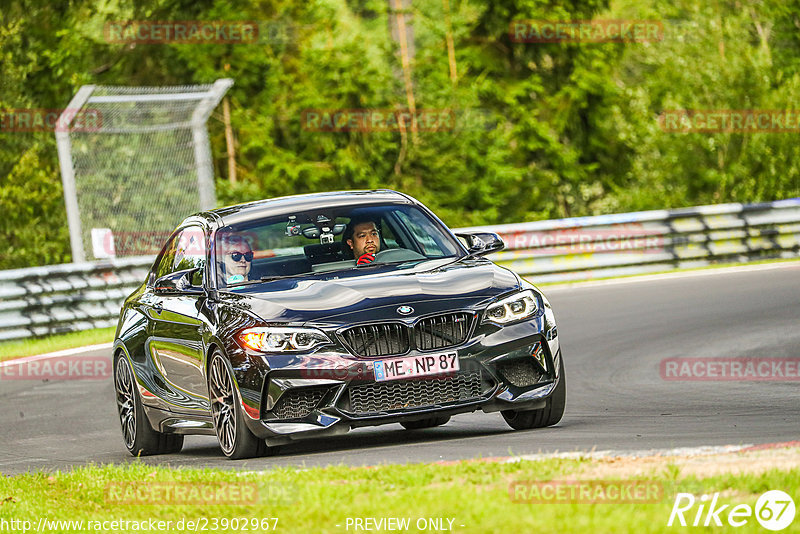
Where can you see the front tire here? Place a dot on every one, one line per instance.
(235, 439)
(140, 438)
(547, 416)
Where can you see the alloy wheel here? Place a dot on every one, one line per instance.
(126, 403)
(222, 405)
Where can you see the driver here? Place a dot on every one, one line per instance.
(364, 239)
(237, 258)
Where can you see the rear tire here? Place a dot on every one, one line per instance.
(139, 437)
(235, 439)
(426, 423)
(547, 416)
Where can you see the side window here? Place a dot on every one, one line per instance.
(186, 250)
(387, 234)
(422, 229)
(166, 262)
(190, 251)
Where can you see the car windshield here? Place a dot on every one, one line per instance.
(324, 240)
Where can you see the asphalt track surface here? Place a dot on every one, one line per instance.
(613, 338)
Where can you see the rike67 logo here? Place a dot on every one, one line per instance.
(774, 510)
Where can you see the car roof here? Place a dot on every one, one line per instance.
(298, 203)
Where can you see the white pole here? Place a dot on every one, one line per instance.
(64, 146)
(202, 146)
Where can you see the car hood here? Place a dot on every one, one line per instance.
(359, 295)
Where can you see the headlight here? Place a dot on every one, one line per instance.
(514, 308)
(282, 339)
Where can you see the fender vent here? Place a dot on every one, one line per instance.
(521, 373)
(298, 403)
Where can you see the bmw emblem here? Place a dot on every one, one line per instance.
(405, 310)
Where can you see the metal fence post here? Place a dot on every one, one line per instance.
(150, 154)
(202, 145)
(64, 147)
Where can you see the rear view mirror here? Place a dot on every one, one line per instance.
(482, 243)
(186, 281)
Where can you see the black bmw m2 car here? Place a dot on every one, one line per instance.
(306, 316)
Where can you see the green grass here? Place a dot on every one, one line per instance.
(474, 494)
(32, 346)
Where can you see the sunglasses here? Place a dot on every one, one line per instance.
(236, 256)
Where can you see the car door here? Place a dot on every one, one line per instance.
(177, 323)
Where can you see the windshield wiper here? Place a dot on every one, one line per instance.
(470, 256)
(272, 278)
(298, 275)
(242, 283)
(269, 279)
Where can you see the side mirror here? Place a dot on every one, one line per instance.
(188, 281)
(482, 243)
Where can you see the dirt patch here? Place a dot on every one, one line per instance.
(701, 466)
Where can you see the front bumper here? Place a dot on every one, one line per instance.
(328, 393)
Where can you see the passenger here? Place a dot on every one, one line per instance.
(237, 258)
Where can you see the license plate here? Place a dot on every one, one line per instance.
(414, 366)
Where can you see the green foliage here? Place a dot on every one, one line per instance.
(565, 129)
(720, 56)
(33, 225)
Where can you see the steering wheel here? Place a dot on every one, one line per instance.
(397, 254)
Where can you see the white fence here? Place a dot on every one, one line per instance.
(38, 301)
(135, 157)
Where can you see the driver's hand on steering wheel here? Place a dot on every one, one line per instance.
(365, 259)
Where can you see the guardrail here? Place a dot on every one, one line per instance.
(602, 246)
(54, 299)
(60, 298)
